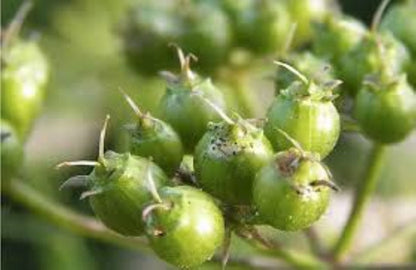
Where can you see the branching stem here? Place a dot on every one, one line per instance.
(362, 196)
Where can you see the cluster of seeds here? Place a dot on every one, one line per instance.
(274, 175)
(214, 29)
(233, 158)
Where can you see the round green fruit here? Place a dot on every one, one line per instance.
(207, 33)
(336, 36)
(153, 138)
(304, 13)
(374, 53)
(146, 32)
(227, 159)
(186, 227)
(401, 21)
(120, 191)
(386, 110)
(119, 187)
(268, 27)
(292, 191)
(24, 74)
(306, 113)
(183, 107)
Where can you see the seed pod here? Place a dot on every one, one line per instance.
(119, 187)
(336, 36)
(227, 159)
(292, 191)
(153, 138)
(400, 19)
(369, 56)
(305, 111)
(186, 112)
(185, 227)
(386, 108)
(11, 151)
(375, 52)
(206, 33)
(260, 26)
(24, 73)
(146, 33)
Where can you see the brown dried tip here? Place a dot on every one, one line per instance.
(326, 183)
(288, 162)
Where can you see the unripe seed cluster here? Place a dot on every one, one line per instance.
(185, 172)
(276, 175)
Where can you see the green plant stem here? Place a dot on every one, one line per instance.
(85, 226)
(362, 196)
(294, 258)
(393, 240)
(66, 218)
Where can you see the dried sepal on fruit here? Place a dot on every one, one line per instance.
(153, 138)
(293, 190)
(180, 107)
(185, 227)
(118, 187)
(306, 112)
(385, 108)
(227, 158)
(400, 19)
(376, 50)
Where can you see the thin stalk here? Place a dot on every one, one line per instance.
(85, 226)
(297, 259)
(294, 71)
(66, 218)
(102, 140)
(90, 163)
(362, 196)
(131, 103)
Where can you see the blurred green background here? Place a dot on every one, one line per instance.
(80, 40)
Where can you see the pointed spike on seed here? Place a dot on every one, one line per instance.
(89, 193)
(151, 182)
(131, 103)
(15, 25)
(75, 182)
(181, 55)
(219, 111)
(102, 138)
(331, 85)
(378, 15)
(150, 208)
(295, 143)
(326, 183)
(293, 70)
(169, 77)
(77, 163)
